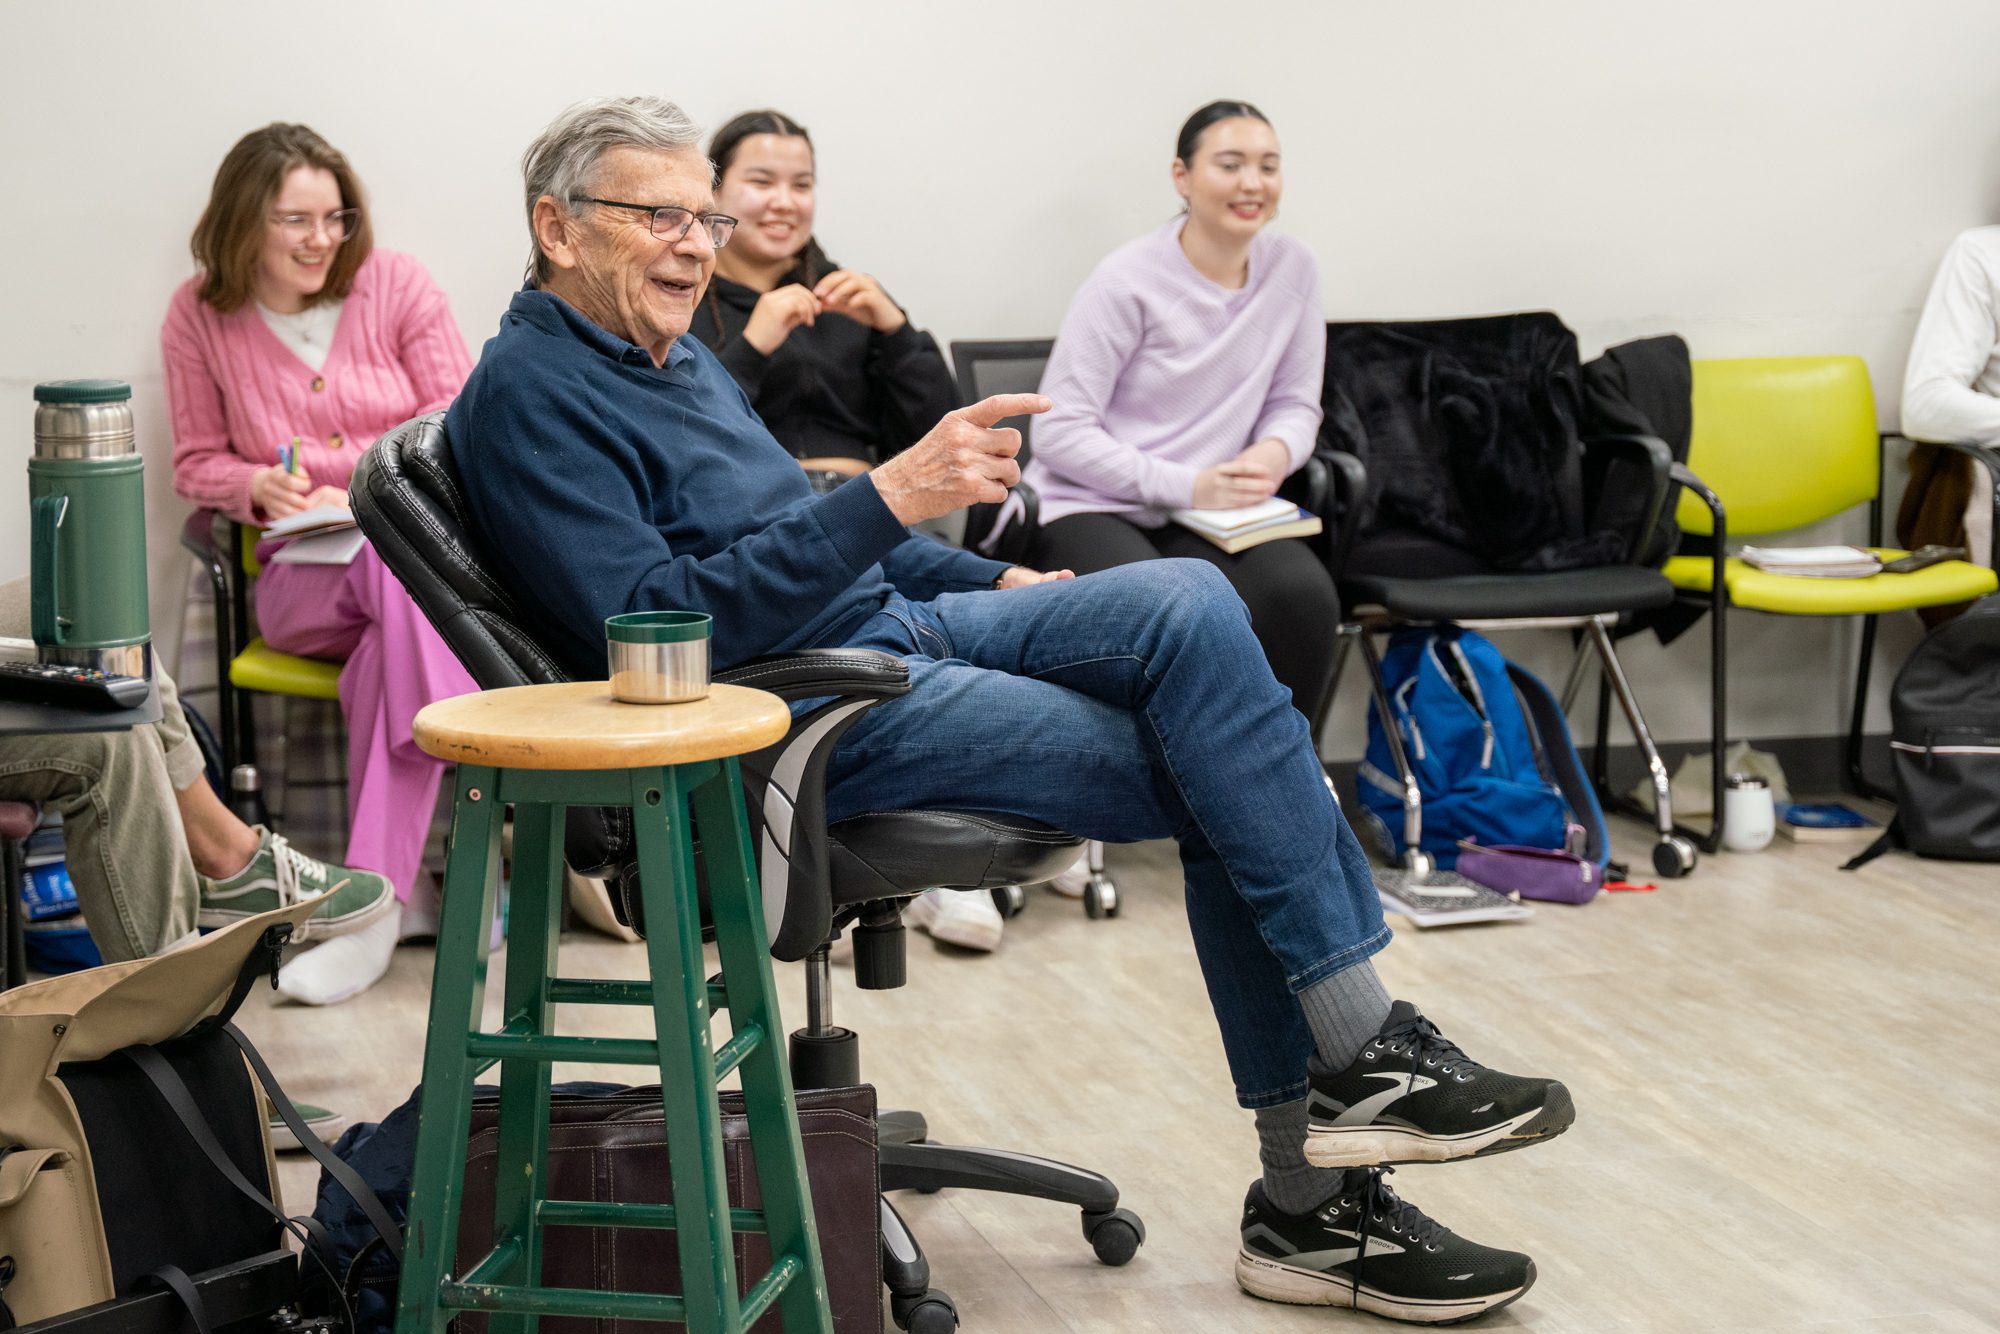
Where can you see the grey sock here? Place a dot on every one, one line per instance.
(1293, 1184)
(1344, 1011)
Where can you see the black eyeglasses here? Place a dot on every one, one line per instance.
(672, 224)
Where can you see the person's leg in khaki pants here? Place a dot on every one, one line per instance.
(127, 854)
(117, 792)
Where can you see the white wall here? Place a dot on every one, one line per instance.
(1761, 177)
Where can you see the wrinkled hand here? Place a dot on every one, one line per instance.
(1250, 477)
(278, 493)
(859, 297)
(777, 313)
(962, 461)
(1020, 576)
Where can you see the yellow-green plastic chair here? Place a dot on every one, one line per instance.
(228, 551)
(1781, 442)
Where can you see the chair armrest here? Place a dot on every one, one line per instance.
(1347, 488)
(1651, 453)
(210, 538)
(1309, 486)
(1004, 531)
(1989, 458)
(814, 673)
(785, 784)
(198, 537)
(1718, 587)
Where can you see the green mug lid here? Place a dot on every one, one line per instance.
(657, 627)
(83, 391)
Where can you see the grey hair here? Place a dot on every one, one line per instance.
(563, 158)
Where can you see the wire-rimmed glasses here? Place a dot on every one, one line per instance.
(672, 224)
(339, 225)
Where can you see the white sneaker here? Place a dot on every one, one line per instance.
(964, 917)
(1071, 883)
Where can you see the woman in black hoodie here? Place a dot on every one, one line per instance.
(832, 365)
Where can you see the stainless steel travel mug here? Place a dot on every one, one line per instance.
(658, 657)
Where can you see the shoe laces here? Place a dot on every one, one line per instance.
(293, 866)
(1419, 1037)
(1382, 1210)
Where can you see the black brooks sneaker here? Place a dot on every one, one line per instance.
(1366, 1248)
(1412, 1096)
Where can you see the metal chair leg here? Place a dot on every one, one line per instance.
(1857, 780)
(1414, 858)
(1674, 854)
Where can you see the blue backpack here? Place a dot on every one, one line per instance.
(1488, 744)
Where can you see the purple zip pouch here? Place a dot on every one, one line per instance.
(1533, 873)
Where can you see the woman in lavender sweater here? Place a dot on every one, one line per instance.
(1187, 376)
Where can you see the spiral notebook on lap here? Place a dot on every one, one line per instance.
(323, 535)
(1240, 529)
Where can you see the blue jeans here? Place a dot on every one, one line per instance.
(1132, 704)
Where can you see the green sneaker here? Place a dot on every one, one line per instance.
(323, 1125)
(280, 875)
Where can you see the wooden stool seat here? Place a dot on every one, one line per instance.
(577, 725)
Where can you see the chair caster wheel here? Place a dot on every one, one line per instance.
(1673, 857)
(932, 1313)
(1010, 899)
(1115, 1236)
(1100, 898)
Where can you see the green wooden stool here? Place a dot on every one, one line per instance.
(542, 749)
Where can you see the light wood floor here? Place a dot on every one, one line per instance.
(1785, 1079)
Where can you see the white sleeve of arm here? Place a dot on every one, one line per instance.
(1955, 338)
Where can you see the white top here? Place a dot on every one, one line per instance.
(1951, 391)
(309, 334)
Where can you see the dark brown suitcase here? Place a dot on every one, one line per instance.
(614, 1148)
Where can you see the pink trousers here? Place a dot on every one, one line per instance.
(396, 663)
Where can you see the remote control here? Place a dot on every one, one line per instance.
(79, 687)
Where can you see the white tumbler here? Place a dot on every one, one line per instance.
(1748, 819)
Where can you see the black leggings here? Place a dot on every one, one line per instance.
(1293, 607)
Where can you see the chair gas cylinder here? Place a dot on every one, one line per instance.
(87, 502)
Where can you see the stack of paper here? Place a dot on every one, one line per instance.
(320, 519)
(1240, 529)
(1814, 562)
(323, 535)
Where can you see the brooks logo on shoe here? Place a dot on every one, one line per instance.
(1401, 1086)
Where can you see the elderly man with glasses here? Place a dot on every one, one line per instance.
(613, 465)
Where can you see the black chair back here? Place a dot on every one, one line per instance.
(407, 499)
(1002, 367)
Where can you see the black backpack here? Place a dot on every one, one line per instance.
(1945, 737)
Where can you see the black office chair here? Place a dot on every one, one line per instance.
(1590, 600)
(817, 878)
(1011, 366)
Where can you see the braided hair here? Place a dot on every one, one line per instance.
(812, 261)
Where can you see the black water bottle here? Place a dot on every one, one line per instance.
(246, 795)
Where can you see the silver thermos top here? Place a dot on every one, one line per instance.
(83, 419)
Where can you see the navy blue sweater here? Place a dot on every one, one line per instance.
(603, 484)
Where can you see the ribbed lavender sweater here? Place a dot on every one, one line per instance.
(1159, 373)
(235, 393)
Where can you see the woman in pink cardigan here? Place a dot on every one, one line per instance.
(298, 340)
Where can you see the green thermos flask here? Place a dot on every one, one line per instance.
(87, 496)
